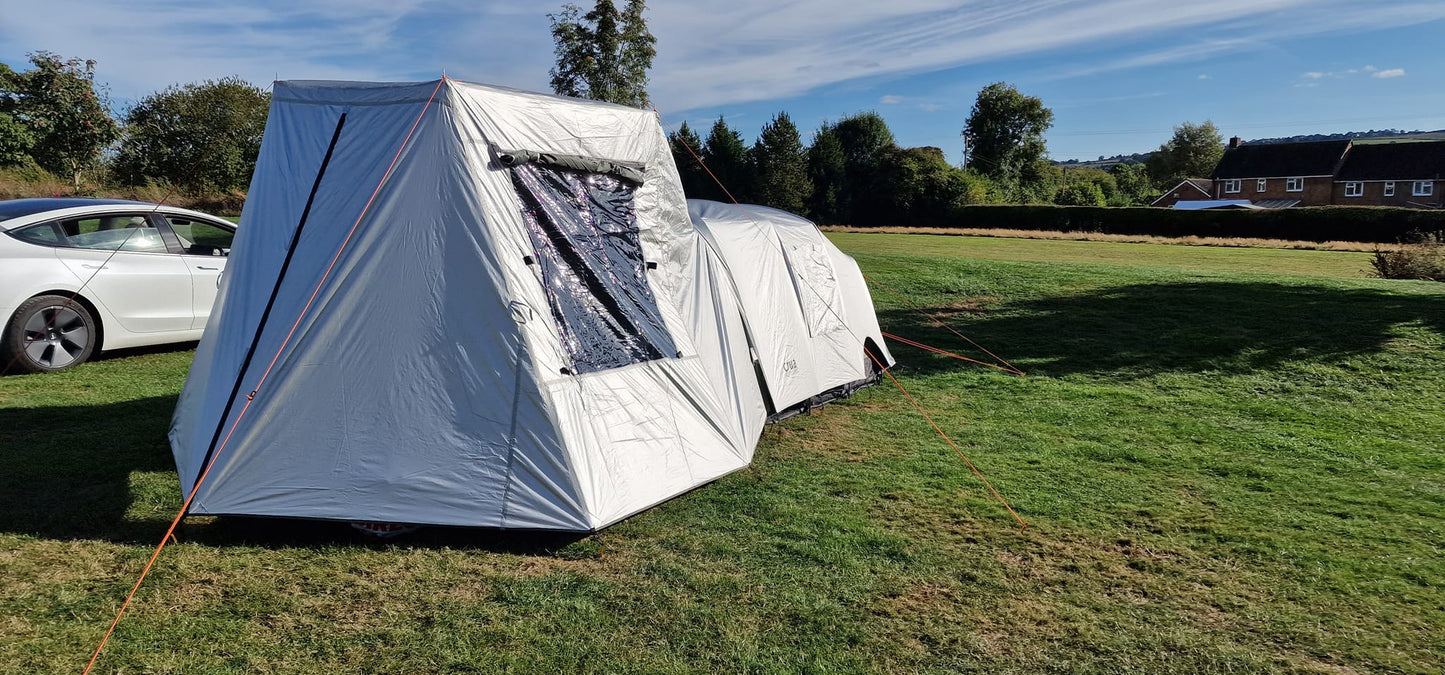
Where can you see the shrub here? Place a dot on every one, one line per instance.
(1420, 256)
(29, 180)
(1080, 194)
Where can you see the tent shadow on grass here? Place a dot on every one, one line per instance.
(1147, 329)
(69, 476)
(68, 468)
(301, 533)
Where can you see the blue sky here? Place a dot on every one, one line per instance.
(1119, 74)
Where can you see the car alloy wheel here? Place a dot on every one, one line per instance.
(48, 333)
(56, 336)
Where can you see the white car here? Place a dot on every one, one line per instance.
(80, 275)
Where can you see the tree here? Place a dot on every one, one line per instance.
(1135, 187)
(1192, 152)
(603, 55)
(1103, 182)
(15, 141)
(1004, 136)
(781, 164)
(684, 143)
(863, 138)
(67, 121)
(828, 172)
(730, 161)
(1080, 194)
(201, 136)
(920, 188)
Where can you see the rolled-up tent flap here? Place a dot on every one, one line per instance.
(629, 171)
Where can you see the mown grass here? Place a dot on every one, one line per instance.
(1081, 235)
(1218, 258)
(1223, 472)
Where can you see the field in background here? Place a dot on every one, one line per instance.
(1006, 233)
(1230, 459)
(1224, 259)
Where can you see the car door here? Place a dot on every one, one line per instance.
(204, 246)
(123, 262)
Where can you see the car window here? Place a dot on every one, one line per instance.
(201, 238)
(44, 234)
(129, 232)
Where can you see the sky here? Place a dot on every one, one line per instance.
(1118, 74)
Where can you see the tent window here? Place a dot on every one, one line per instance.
(584, 230)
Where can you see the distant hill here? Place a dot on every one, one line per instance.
(1105, 162)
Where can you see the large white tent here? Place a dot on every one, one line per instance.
(457, 304)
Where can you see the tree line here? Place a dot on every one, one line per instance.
(204, 137)
(854, 172)
(201, 137)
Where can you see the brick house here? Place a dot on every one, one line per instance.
(1190, 189)
(1286, 174)
(1408, 174)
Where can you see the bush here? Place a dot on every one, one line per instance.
(1371, 225)
(1080, 194)
(29, 180)
(1420, 256)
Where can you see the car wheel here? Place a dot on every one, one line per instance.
(48, 333)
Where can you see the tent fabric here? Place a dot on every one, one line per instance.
(431, 377)
(628, 171)
(811, 316)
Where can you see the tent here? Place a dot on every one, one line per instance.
(457, 304)
(806, 303)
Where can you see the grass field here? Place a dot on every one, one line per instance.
(1077, 235)
(1231, 461)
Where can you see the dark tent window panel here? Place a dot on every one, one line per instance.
(584, 230)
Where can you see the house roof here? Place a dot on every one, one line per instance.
(1394, 161)
(1277, 203)
(1203, 204)
(1281, 160)
(1203, 185)
(1206, 204)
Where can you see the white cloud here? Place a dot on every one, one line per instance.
(710, 52)
(890, 100)
(1203, 76)
(931, 107)
(1311, 79)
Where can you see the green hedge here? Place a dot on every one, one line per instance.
(1323, 223)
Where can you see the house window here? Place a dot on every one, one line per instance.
(1261, 184)
(1423, 188)
(1233, 185)
(1294, 185)
(1355, 189)
(1389, 188)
